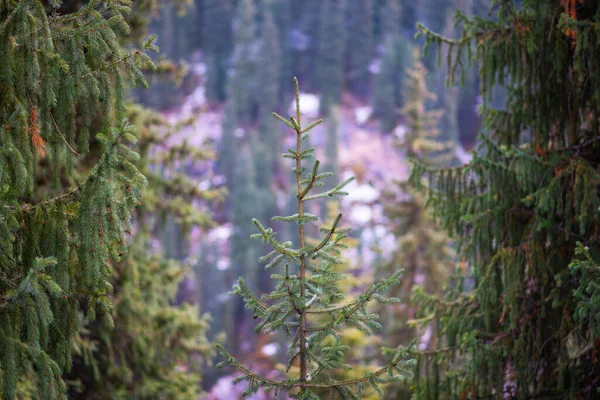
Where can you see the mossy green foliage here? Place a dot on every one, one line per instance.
(518, 209)
(306, 289)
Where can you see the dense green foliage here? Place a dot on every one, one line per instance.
(518, 210)
(587, 294)
(61, 77)
(66, 213)
(309, 290)
(156, 347)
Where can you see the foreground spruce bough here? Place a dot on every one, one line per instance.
(308, 289)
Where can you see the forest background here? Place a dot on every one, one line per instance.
(95, 308)
(353, 59)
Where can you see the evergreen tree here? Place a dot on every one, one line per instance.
(227, 144)
(330, 58)
(244, 60)
(390, 20)
(332, 142)
(269, 93)
(360, 46)
(435, 12)
(62, 77)
(519, 208)
(587, 294)
(271, 65)
(409, 12)
(387, 92)
(384, 92)
(217, 46)
(283, 11)
(133, 360)
(245, 202)
(313, 291)
(155, 349)
(422, 248)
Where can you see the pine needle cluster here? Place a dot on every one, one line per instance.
(307, 288)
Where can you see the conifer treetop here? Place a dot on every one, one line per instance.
(307, 291)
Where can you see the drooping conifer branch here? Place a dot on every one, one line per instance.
(58, 239)
(519, 208)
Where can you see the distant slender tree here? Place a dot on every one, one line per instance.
(388, 87)
(217, 46)
(245, 201)
(244, 60)
(227, 143)
(360, 46)
(409, 13)
(269, 93)
(283, 12)
(330, 59)
(391, 20)
(422, 248)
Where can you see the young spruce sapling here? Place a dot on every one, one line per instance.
(307, 289)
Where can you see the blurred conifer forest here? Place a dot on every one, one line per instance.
(445, 245)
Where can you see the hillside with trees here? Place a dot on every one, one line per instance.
(141, 159)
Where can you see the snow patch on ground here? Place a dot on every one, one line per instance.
(309, 105)
(462, 155)
(362, 114)
(425, 339)
(361, 214)
(364, 193)
(400, 133)
(270, 349)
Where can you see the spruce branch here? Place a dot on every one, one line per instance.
(99, 168)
